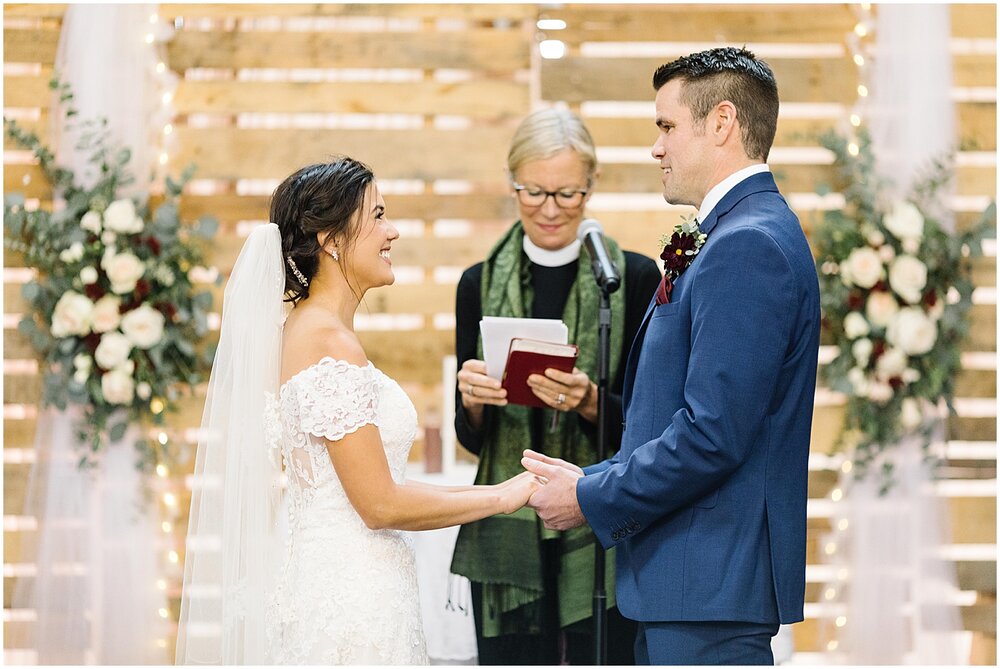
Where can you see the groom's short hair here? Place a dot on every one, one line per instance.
(732, 74)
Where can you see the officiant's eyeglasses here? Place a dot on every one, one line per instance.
(565, 198)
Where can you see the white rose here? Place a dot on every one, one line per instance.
(862, 350)
(106, 316)
(911, 375)
(911, 246)
(120, 216)
(108, 237)
(82, 361)
(858, 381)
(908, 276)
(88, 275)
(117, 387)
(864, 267)
(875, 237)
(144, 390)
(891, 363)
(886, 254)
(91, 222)
(910, 415)
(113, 350)
(124, 270)
(879, 392)
(905, 221)
(127, 367)
(73, 253)
(845, 274)
(81, 376)
(72, 315)
(912, 331)
(143, 326)
(855, 325)
(880, 308)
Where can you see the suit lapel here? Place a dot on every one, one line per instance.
(633, 357)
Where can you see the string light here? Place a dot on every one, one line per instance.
(832, 645)
(830, 548)
(170, 499)
(842, 524)
(173, 557)
(162, 438)
(164, 613)
(862, 90)
(167, 527)
(162, 471)
(841, 621)
(156, 405)
(161, 584)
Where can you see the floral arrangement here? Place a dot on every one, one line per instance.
(896, 293)
(679, 251)
(114, 315)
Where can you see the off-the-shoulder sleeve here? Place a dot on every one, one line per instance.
(335, 398)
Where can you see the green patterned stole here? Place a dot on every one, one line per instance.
(504, 552)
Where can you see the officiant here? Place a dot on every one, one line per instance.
(532, 587)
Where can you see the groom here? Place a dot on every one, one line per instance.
(706, 500)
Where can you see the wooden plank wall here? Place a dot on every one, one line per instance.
(429, 96)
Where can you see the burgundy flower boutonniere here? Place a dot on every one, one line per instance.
(679, 251)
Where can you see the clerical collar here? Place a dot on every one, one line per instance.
(546, 258)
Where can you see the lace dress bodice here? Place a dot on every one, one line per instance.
(346, 594)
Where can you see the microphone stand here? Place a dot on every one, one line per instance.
(603, 372)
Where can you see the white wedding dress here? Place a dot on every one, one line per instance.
(345, 594)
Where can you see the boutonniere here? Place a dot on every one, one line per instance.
(681, 247)
(679, 251)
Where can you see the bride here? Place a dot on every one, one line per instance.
(338, 584)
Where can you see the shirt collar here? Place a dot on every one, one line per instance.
(720, 189)
(547, 258)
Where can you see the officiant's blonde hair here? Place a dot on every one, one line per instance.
(548, 132)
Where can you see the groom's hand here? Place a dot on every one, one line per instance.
(555, 502)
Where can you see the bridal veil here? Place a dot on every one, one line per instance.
(231, 544)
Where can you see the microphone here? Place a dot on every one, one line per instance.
(605, 273)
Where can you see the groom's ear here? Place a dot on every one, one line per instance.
(723, 121)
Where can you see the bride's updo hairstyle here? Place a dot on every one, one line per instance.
(320, 199)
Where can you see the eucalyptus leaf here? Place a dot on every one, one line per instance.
(117, 432)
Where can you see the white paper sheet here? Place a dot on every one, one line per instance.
(497, 331)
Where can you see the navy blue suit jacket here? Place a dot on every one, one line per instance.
(706, 500)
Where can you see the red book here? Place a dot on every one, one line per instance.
(530, 356)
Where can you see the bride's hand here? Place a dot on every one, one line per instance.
(515, 492)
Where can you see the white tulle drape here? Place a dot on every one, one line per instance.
(104, 56)
(896, 592)
(911, 114)
(97, 550)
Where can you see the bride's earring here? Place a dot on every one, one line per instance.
(334, 254)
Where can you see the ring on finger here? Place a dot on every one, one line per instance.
(561, 398)
(472, 390)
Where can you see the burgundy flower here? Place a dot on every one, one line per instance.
(930, 299)
(168, 310)
(896, 383)
(142, 289)
(154, 245)
(91, 341)
(855, 300)
(94, 291)
(878, 349)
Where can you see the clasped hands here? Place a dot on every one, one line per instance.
(555, 501)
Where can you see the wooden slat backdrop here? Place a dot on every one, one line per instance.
(412, 51)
